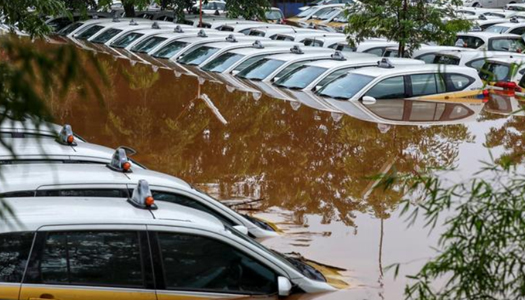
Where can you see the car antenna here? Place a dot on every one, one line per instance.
(295, 31)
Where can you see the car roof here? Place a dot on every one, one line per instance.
(45, 148)
(408, 69)
(323, 52)
(193, 33)
(29, 126)
(508, 60)
(252, 50)
(333, 63)
(29, 177)
(484, 34)
(29, 214)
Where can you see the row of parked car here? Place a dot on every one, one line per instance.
(305, 65)
(89, 222)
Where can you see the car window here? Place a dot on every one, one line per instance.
(250, 61)
(189, 202)
(126, 40)
(334, 75)
(518, 31)
(148, 44)
(313, 43)
(106, 193)
(14, 253)
(88, 258)
(86, 34)
(257, 33)
(423, 84)
(376, 51)
(169, 50)
(476, 63)
(106, 35)
(222, 62)
(492, 72)
(346, 87)
(497, 29)
(261, 69)
(68, 29)
(197, 56)
(427, 58)
(506, 44)
(470, 42)
(200, 263)
(446, 60)
(457, 82)
(301, 77)
(245, 31)
(391, 88)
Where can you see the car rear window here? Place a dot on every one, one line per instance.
(492, 71)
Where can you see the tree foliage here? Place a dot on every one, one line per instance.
(411, 23)
(248, 9)
(481, 253)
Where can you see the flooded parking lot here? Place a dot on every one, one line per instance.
(306, 169)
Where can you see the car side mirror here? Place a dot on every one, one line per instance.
(368, 100)
(242, 229)
(284, 286)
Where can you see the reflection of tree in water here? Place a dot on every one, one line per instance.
(300, 160)
(511, 137)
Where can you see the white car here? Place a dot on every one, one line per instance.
(28, 128)
(272, 31)
(487, 41)
(211, 7)
(389, 82)
(499, 70)
(105, 248)
(244, 27)
(487, 3)
(473, 59)
(272, 68)
(301, 37)
(325, 41)
(95, 180)
(300, 19)
(513, 27)
(65, 150)
(426, 53)
(205, 53)
(315, 75)
(237, 60)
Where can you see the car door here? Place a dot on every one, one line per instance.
(87, 263)
(14, 253)
(198, 266)
(389, 88)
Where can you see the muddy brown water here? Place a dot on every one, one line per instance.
(303, 168)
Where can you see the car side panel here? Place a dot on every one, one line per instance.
(9, 291)
(84, 293)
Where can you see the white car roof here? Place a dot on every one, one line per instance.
(43, 149)
(194, 31)
(333, 63)
(29, 177)
(409, 69)
(35, 212)
(509, 60)
(315, 53)
(267, 49)
(510, 24)
(488, 35)
(29, 126)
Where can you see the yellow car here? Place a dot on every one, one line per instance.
(87, 248)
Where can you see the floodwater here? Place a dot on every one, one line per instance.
(304, 168)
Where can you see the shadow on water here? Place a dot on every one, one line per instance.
(300, 161)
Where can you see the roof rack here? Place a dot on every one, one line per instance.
(385, 63)
(120, 161)
(296, 50)
(66, 136)
(338, 56)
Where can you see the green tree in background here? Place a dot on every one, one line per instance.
(248, 9)
(409, 22)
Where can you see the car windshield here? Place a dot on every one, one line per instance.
(89, 32)
(274, 15)
(492, 72)
(223, 62)
(507, 44)
(257, 33)
(148, 44)
(345, 87)
(106, 35)
(340, 18)
(313, 43)
(301, 77)
(290, 68)
(70, 28)
(290, 262)
(170, 50)
(127, 39)
(307, 12)
(497, 29)
(261, 69)
(250, 61)
(197, 56)
(327, 14)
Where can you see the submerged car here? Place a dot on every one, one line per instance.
(111, 181)
(490, 41)
(104, 248)
(388, 82)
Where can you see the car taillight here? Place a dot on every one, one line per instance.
(508, 85)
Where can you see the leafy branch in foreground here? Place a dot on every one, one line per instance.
(481, 253)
